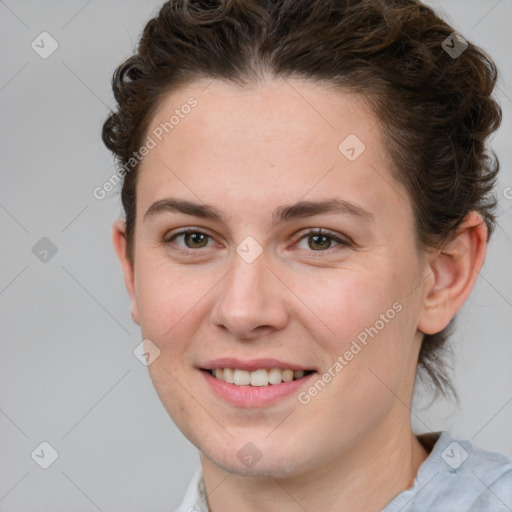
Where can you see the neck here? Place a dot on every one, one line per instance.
(366, 477)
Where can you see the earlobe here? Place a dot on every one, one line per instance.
(119, 242)
(453, 273)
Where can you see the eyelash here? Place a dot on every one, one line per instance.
(343, 242)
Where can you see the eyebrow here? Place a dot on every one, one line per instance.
(285, 213)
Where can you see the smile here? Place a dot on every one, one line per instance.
(257, 378)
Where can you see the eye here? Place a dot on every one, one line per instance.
(320, 240)
(192, 237)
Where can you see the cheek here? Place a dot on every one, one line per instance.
(164, 296)
(348, 300)
(173, 305)
(370, 321)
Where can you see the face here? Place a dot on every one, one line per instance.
(301, 257)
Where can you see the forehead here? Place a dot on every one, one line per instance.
(265, 145)
(275, 112)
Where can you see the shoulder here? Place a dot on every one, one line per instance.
(491, 476)
(458, 477)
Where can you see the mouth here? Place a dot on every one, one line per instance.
(257, 378)
(255, 383)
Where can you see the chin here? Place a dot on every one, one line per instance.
(277, 466)
(259, 458)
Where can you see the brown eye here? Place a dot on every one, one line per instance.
(321, 241)
(195, 240)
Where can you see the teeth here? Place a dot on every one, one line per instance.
(241, 378)
(275, 376)
(256, 378)
(287, 375)
(228, 375)
(259, 378)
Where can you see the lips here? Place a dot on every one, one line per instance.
(253, 364)
(255, 382)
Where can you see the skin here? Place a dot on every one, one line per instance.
(247, 152)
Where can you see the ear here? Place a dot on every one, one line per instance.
(119, 241)
(453, 271)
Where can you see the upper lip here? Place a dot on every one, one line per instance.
(251, 364)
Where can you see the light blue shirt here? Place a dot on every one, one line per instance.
(454, 478)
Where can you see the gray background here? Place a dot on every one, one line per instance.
(68, 375)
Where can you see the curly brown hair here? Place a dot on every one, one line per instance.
(435, 107)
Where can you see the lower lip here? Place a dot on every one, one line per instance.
(254, 396)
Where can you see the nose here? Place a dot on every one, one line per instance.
(252, 301)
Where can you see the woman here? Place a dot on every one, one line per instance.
(308, 201)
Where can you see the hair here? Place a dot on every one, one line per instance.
(435, 109)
